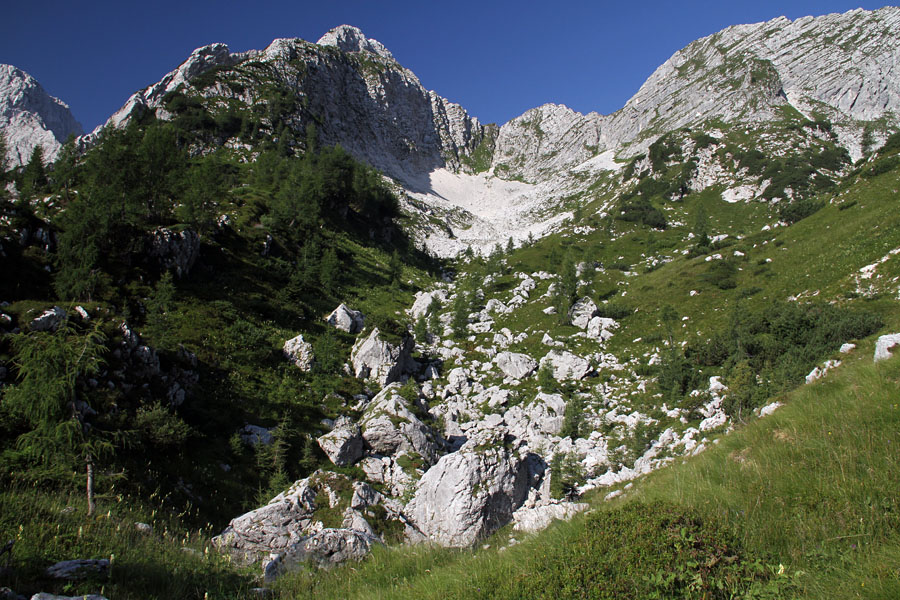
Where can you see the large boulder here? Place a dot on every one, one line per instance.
(346, 319)
(325, 548)
(582, 312)
(175, 250)
(389, 426)
(376, 359)
(601, 328)
(471, 493)
(75, 570)
(271, 528)
(885, 344)
(566, 365)
(300, 352)
(343, 444)
(515, 365)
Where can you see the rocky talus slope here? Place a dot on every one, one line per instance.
(30, 117)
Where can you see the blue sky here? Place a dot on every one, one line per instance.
(497, 59)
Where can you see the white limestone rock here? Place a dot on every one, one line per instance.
(386, 471)
(426, 302)
(536, 422)
(346, 319)
(389, 426)
(515, 365)
(582, 312)
(566, 366)
(30, 117)
(379, 360)
(601, 328)
(285, 521)
(350, 39)
(539, 517)
(343, 444)
(325, 548)
(300, 352)
(885, 345)
(471, 493)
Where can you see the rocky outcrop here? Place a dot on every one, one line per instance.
(836, 63)
(471, 493)
(566, 365)
(537, 421)
(347, 38)
(175, 250)
(76, 570)
(298, 525)
(885, 345)
(350, 86)
(582, 312)
(545, 140)
(151, 98)
(381, 361)
(601, 328)
(325, 548)
(346, 319)
(343, 444)
(390, 427)
(271, 528)
(515, 365)
(300, 352)
(539, 517)
(426, 301)
(30, 117)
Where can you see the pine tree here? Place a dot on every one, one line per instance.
(50, 366)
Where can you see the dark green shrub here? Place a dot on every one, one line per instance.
(882, 166)
(796, 210)
(642, 551)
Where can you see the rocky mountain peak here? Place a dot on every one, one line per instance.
(351, 39)
(30, 117)
(202, 59)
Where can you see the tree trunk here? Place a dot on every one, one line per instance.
(90, 487)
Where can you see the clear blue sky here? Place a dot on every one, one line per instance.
(496, 58)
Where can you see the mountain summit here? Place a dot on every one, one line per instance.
(31, 117)
(347, 38)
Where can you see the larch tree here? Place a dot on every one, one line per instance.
(50, 365)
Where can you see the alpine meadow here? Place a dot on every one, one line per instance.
(290, 325)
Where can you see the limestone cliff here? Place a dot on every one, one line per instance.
(30, 117)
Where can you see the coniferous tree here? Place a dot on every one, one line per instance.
(46, 394)
(34, 176)
(65, 170)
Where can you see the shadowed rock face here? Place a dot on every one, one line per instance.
(31, 117)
